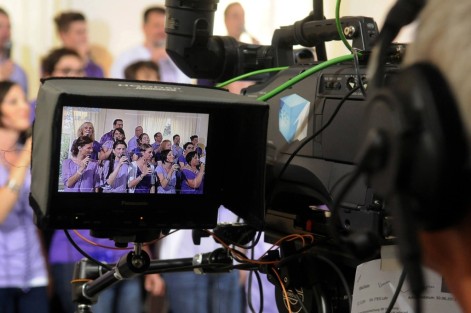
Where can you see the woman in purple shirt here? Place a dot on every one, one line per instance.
(193, 174)
(141, 172)
(23, 274)
(115, 169)
(166, 172)
(87, 129)
(80, 172)
(107, 146)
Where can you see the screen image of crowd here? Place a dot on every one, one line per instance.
(114, 164)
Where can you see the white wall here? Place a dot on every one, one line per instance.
(115, 25)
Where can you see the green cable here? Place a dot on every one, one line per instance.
(305, 74)
(267, 70)
(339, 26)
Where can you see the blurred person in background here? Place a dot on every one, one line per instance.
(9, 70)
(142, 70)
(153, 49)
(23, 273)
(72, 29)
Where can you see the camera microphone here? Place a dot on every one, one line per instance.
(7, 49)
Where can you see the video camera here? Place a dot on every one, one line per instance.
(296, 158)
(320, 163)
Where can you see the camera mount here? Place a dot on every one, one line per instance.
(90, 279)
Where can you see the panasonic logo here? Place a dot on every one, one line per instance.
(129, 203)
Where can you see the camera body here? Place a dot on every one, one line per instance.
(319, 170)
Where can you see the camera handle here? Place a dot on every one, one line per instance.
(90, 279)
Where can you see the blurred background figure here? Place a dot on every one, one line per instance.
(23, 274)
(61, 62)
(153, 49)
(234, 19)
(72, 29)
(9, 70)
(142, 70)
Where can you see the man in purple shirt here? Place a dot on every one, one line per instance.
(72, 29)
(157, 141)
(176, 149)
(117, 123)
(132, 143)
(8, 69)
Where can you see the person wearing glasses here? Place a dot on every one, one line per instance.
(60, 62)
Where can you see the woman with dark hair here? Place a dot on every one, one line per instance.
(193, 174)
(23, 274)
(142, 139)
(107, 147)
(187, 147)
(140, 173)
(166, 172)
(164, 145)
(80, 173)
(115, 169)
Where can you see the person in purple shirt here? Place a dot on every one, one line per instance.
(167, 172)
(141, 172)
(117, 123)
(157, 141)
(187, 147)
(72, 29)
(80, 172)
(115, 170)
(60, 62)
(87, 129)
(23, 273)
(136, 153)
(9, 70)
(176, 149)
(132, 143)
(194, 140)
(107, 147)
(193, 175)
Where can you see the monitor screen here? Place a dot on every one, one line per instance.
(105, 156)
(128, 145)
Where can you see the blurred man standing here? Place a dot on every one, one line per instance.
(72, 30)
(9, 70)
(153, 49)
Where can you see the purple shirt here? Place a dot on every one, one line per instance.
(177, 151)
(182, 158)
(62, 251)
(170, 188)
(120, 183)
(21, 260)
(190, 175)
(18, 76)
(107, 136)
(96, 149)
(93, 70)
(87, 182)
(132, 144)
